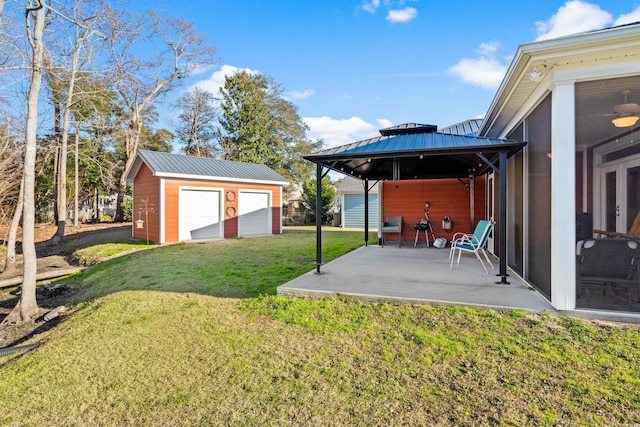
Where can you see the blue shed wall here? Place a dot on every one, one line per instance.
(354, 211)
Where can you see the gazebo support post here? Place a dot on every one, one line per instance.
(366, 212)
(472, 200)
(318, 216)
(502, 224)
(501, 170)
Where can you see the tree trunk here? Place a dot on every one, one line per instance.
(61, 205)
(132, 139)
(28, 303)
(56, 162)
(96, 204)
(10, 258)
(119, 215)
(75, 196)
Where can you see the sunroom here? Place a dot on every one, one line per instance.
(575, 101)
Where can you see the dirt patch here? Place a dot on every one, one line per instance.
(51, 258)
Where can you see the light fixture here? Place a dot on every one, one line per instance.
(537, 73)
(627, 113)
(624, 120)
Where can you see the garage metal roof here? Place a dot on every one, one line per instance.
(412, 155)
(353, 185)
(180, 166)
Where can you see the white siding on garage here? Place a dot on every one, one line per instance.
(199, 214)
(254, 213)
(353, 206)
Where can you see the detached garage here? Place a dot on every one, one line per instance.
(179, 198)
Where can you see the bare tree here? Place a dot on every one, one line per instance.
(11, 172)
(82, 33)
(10, 169)
(196, 123)
(28, 306)
(10, 256)
(140, 82)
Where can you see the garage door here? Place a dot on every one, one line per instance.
(199, 214)
(253, 214)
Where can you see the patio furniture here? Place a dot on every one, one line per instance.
(423, 225)
(474, 243)
(608, 264)
(393, 224)
(634, 231)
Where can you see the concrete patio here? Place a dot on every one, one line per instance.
(415, 275)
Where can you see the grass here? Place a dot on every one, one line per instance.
(231, 268)
(96, 247)
(168, 350)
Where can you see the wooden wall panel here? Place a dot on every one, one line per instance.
(447, 197)
(230, 210)
(146, 186)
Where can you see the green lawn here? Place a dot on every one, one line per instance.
(179, 335)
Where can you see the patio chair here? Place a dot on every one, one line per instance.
(608, 264)
(393, 224)
(475, 243)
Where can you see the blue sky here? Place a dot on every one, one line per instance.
(353, 67)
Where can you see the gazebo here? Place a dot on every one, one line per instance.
(418, 151)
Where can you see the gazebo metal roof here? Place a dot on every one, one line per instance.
(412, 155)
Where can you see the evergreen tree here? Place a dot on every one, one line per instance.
(260, 126)
(309, 196)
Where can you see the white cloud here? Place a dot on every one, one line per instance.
(216, 80)
(633, 16)
(485, 71)
(575, 16)
(371, 6)
(202, 69)
(402, 15)
(489, 49)
(337, 132)
(295, 94)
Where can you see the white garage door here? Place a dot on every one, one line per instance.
(253, 214)
(199, 214)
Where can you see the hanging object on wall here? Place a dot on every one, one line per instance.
(230, 211)
(447, 224)
(231, 196)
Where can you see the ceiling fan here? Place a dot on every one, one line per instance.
(627, 113)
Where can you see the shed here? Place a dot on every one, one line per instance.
(350, 198)
(182, 198)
